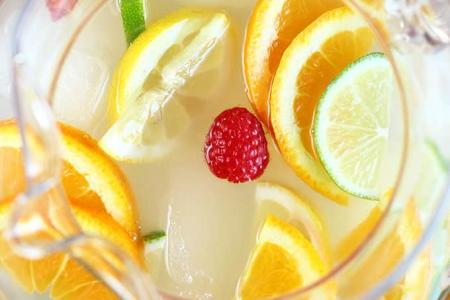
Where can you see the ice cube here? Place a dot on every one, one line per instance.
(79, 99)
(189, 279)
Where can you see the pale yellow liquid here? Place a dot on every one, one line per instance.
(211, 224)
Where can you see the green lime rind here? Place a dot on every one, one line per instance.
(154, 241)
(154, 236)
(316, 125)
(133, 18)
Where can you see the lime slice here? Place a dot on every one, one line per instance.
(148, 114)
(351, 125)
(133, 18)
(288, 206)
(154, 244)
(154, 241)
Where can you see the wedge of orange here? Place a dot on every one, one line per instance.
(315, 57)
(90, 178)
(272, 27)
(66, 277)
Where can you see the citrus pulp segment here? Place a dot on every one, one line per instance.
(92, 177)
(293, 209)
(283, 261)
(352, 125)
(315, 57)
(272, 27)
(145, 108)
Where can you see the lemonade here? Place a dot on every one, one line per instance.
(308, 160)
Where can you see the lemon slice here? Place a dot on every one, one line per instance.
(352, 125)
(283, 261)
(147, 114)
(288, 206)
(313, 59)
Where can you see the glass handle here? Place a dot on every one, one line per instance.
(42, 222)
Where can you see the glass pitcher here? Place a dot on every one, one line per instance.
(47, 56)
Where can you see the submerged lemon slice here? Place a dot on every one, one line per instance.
(313, 59)
(287, 205)
(283, 261)
(352, 125)
(145, 109)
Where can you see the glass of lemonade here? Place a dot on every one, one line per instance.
(212, 149)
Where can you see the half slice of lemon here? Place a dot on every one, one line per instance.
(145, 109)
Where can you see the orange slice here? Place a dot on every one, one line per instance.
(284, 203)
(401, 239)
(283, 261)
(68, 279)
(90, 178)
(272, 27)
(315, 57)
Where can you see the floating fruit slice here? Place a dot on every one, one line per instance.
(90, 178)
(154, 244)
(283, 260)
(147, 113)
(288, 206)
(272, 27)
(67, 279)
(432, 175)
(416, 283)
(133, 18)
(431, 179)
(388, 253)
(352, 125)
(315, 57)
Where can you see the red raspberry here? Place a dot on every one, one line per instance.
(60, 8)
(236, 147)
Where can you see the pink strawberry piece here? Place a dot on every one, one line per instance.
(236, 146)
(60, 8)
